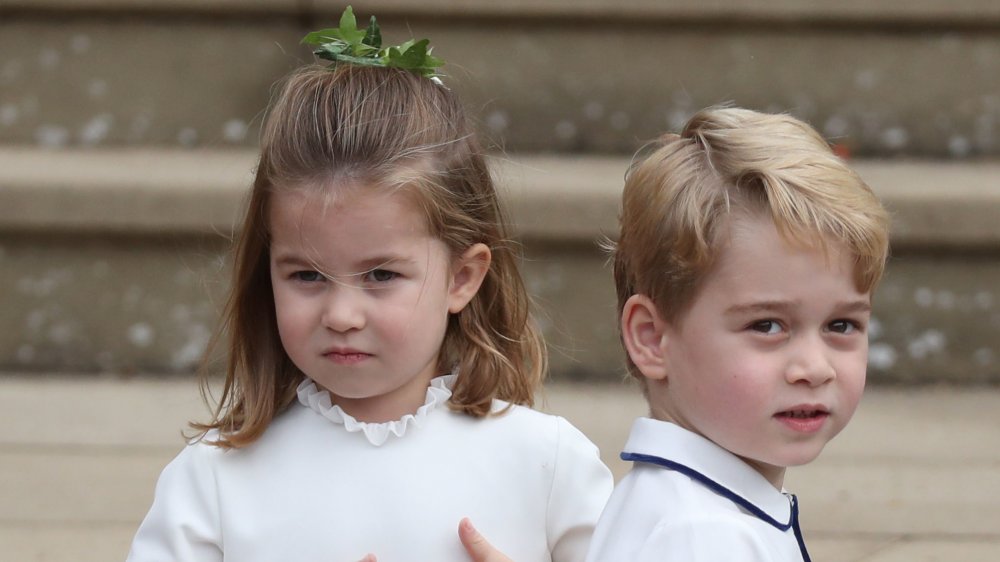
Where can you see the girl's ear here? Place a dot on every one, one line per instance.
(643, 334)
(467, 275)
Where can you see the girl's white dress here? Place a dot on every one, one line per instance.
(321, 486)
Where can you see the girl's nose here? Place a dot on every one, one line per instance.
(811, 363)
(343, 309)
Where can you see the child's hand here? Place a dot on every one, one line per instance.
(369, 558)
(476, 545)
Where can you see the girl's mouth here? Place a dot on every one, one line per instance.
(346, 357)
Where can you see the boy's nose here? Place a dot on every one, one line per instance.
(810, 364)
(343, 310)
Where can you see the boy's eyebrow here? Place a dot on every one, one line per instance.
(855, 306)
(862, 305)
(761, 306)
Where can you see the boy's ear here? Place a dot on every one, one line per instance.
(643, 332)
(467, 275)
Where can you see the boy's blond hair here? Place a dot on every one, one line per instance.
(681, 195)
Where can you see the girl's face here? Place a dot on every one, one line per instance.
(362, 293)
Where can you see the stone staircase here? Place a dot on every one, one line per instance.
(127, 131)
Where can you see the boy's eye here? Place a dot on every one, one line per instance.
(308, 276)
(843, 327)
(766, 327)
(381, 275)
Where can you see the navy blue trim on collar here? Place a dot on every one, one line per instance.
(798, 531)
(793, 522)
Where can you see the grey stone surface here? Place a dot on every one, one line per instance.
(912, 478)
(567, 199)
(549, 83)
(114, 261)
(893, 11)
(139, 80)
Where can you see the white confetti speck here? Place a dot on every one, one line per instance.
(924, 297)
(874, 328)
(8, 114)
(593, 110)
(959, 146)
(79, 44)
(234, 130)
(25, 353)
(96, 130)
(881, 356)
(97, 88)
(984, 300)
(498, 121)
(191, 352)
(565, 130)
(945, 300)
(48, 57)
(141, 334)
(187, 136)
(895, 138)
(866, 79)
(836, 126)
(619, 121)
(11, 70)
(51, 136)
(984, 356)
(61, 333)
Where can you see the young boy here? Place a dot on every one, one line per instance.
(745, 268)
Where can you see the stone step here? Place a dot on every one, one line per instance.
(884, 78)
(114, 260)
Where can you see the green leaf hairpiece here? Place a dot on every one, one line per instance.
(348, 44)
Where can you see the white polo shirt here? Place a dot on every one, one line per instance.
(690, 500)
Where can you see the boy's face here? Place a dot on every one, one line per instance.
(769, 361)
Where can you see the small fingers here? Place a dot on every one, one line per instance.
(479, 549)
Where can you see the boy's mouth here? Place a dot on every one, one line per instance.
(803, 419)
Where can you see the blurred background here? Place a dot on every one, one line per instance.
(127, 134)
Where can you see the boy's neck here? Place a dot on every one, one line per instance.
(773, 474)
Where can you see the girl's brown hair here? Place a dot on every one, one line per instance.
(388, 128)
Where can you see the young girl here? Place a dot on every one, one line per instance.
(381, 353)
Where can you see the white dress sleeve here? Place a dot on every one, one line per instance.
(581, 485)
(183, 522)
(705, 540)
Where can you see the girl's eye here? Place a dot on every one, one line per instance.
(381, 275)
(766, 327)
(308, 276)
(844, 326)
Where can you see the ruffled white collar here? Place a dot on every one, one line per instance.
(318, 399)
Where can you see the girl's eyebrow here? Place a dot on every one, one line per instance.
(377, 262)
(365, 265)
(291, 259)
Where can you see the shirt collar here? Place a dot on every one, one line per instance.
(682, 450)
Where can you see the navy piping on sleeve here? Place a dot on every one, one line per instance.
(793, 522)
